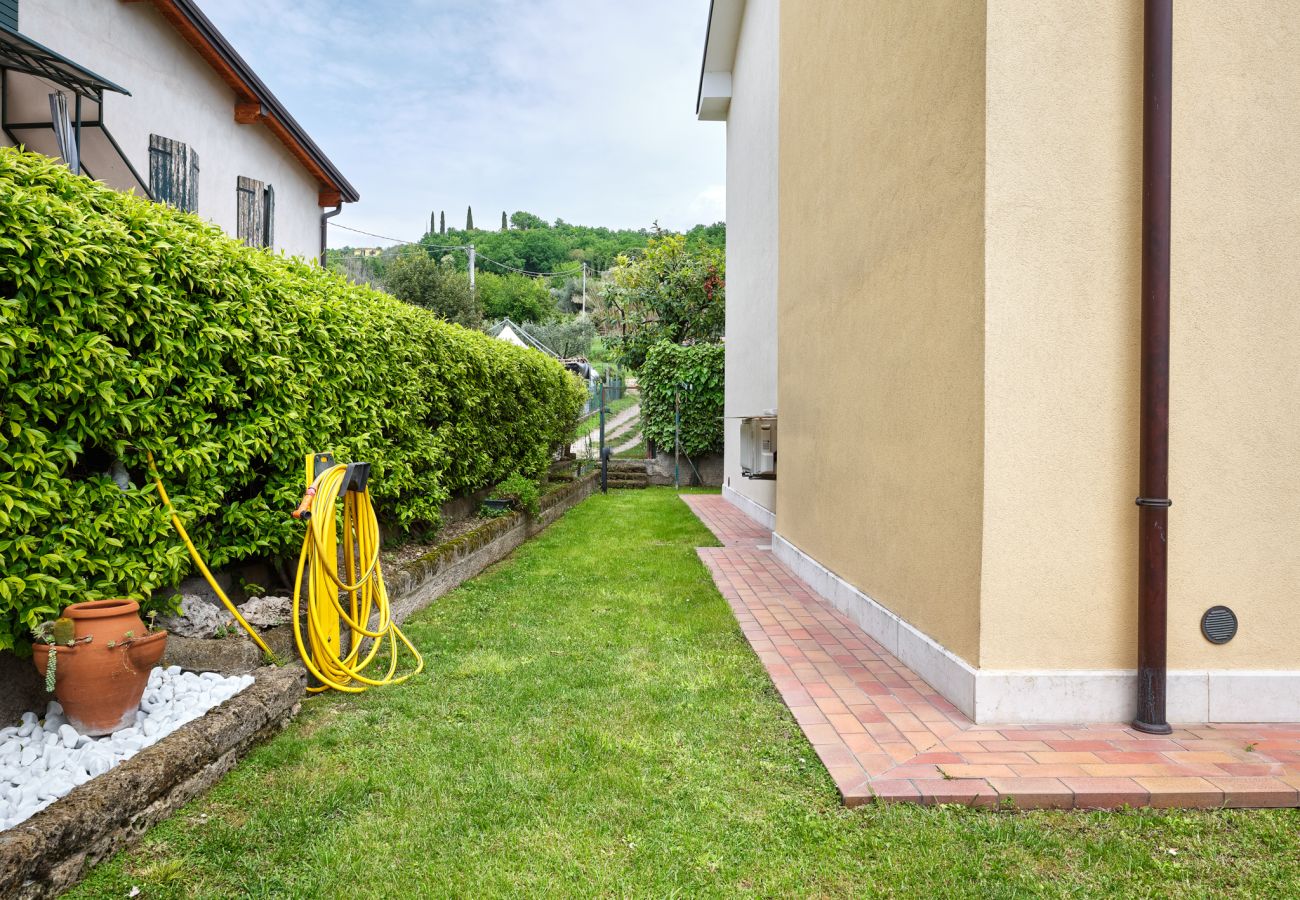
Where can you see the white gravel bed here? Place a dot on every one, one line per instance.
(41, 760)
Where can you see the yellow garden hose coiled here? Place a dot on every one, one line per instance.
(367, 596)
(322, 651)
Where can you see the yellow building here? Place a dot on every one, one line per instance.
(934, 258)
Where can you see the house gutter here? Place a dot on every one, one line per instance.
(325, 231)
(1153, 501)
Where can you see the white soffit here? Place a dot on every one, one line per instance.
(714, 98)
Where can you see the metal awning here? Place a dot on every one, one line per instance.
(28, 72)
(19, 53)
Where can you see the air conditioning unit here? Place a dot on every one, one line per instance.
(758, 447)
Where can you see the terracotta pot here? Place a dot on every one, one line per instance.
(98, 686)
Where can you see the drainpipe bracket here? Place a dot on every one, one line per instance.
(1157, 502)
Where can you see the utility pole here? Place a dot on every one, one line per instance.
(604, 453)
(677, 438)
(471, 267)
(584, 288)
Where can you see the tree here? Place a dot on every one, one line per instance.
(568, 337)
(504, 225)
(433, 222)
(442, 222)
(526, 220)
(531, 243)
(516, 297)
(439, 286)
(469, 218)
(669, 293)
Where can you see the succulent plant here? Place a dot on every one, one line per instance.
(64, 632)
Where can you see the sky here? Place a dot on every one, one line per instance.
(582, 110)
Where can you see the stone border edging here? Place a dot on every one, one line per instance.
(53, 849)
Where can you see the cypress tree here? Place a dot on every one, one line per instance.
(503, 220)
(433, 222)
(469, 218)
(442, 219)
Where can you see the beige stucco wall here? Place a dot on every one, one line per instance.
(881, 313)
(1063, 215)
(1063, 266)
(176, 94)
(752, 217)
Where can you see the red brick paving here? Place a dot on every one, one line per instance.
(884, 734)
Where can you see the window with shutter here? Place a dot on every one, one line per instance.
(173, 173)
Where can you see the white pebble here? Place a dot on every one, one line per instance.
(69, 735)
(40, 764)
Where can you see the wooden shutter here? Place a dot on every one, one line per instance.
(173, 173)
(268, 219)
(192, 192)
(250, 212)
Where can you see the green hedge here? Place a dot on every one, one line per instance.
(126, 326)
(667, 365)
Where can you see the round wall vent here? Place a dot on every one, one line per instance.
(1219, 624)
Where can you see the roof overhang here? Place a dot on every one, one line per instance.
(713, 101)
(254, 102)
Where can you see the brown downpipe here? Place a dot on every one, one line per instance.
(325, 233)
(1153, 486)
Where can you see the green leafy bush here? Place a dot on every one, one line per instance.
(513, 296)
(523, 490)
(126, 326)
(702, 367)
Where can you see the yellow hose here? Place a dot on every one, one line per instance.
(198, 560)
(367, 596)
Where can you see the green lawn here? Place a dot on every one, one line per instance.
(636, 452)
(592, 723)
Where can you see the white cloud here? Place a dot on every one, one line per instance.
(577, 109)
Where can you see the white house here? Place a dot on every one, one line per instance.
(158, 102)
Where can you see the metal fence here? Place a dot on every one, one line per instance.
(615, 388)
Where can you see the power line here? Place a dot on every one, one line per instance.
(369, 233)
(383, 237)
(527, 272)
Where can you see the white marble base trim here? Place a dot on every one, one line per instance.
(942, 669)
(759, 513)
(1022, 696)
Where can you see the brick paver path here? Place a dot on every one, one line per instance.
(884, 733)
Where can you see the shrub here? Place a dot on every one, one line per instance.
(568, 337)
(523, 490)
(512, 296)
(126, 326)
(439, 285)
(668, 365)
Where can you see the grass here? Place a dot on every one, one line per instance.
(592, 723)
(636, 452)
